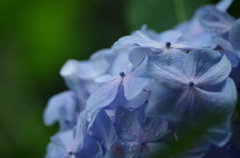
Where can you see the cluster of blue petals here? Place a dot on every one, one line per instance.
(151, 91)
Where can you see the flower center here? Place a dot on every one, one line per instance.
(122, 74)
(168, 44)
(70, 153)
(190, 84)
(142, 143)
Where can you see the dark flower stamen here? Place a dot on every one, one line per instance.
(122, 74)
(70, 153)
(191, 84)
(142, 143)
(168, 44)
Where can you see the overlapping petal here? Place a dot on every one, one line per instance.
(166, 101)
(102, 96)
(234, 36)
(206, 67)
(65, 101)
(102, 130)
(214, 21)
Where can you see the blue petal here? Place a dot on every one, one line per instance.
(66, 102)
(160, 68)
(133, 86)
(82, 69)
(165, 101)
(124, 149)
(60, 145)
(214, 21)
(80, 131)
(101, 97)
(127, 125)
(139, 39)
(228, 51)
(137, 55)
(134, 83)
(91, 149)
(153, 128)
(120, 64)
(120, 99)
(70, 72)
(234, 36)
(212, 111)
(168, 36)
(206, 67)
(102, 130)
(223, 5)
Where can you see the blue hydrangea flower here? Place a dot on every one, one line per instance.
(132, 82)
(195, 91)
(165, 44)
(62, 146)
(137, 136)
(154, 94)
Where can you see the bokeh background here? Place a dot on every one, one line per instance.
(36, 39)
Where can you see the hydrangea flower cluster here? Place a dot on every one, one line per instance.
(169, 94)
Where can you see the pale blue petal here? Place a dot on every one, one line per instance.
(212, 112)
(120, 64)
(54, 151)
(166, 101)
(149, 32)
(141, 69)
(137, 55)
(63, 101)
(214, 21)
(138, 100)
(133, 86)
(133, 83)
(91, 149)
(176, 58)
(216, 73)
(81, 69)
(168, 36)
(120, 99)
(71, 71)
(188, 45)
(100, 61)
(194, 34)
(61, 144)
(160, 68)
(80, 131)
(102, 130)
(234, 36)
(138, 40)
(223, 5)
(228, 51)
(102, 96)
(105, 78)
(206, 67)
(127, 125)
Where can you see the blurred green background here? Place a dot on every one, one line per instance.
(37, 37)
